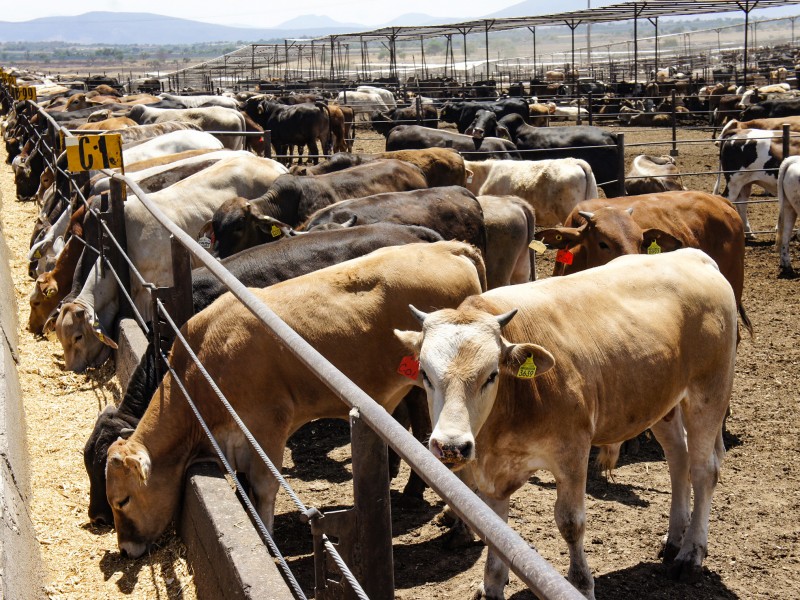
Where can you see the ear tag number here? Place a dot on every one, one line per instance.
(409, 367)
(527, 370)
(654, 248)
(276, 231)
(537, 246)
(205, 242)
(564, 257)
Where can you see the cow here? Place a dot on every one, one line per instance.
(463, 113)
(768, 109)
(452, 212)
(568, 142)
(385, 95)
(600, 230)
(650, 174)
(109, 124)
(751, 156)
(201, 101)
(485, 125)
(411, 137)
(239, 224)
(383, 123)
(645, 341)
(189, 204)
(171, 143)
(773, 124)
(510, 224)
(788, 208)
(566, 113)
(550, 187)
(363, 297)
(540, 114)
(211, 118)
(362, 103)
(258, 267)
(441, 166)
(296, 125)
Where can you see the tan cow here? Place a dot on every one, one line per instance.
(362, 300)
(645, 341)
(651, 174)
(109, 124)
(600, 230)
(771, 124)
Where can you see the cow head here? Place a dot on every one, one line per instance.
(607, 233)
(109, 427)
(143, 496)
(463, 358)
(485, 125)
(83, 337)
(238, 225)
(43, 300)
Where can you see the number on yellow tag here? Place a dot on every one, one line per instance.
(87, 152)
(527, 370)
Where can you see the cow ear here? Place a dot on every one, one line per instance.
(126, 432)
(656, 241)
(504, 133)
(525, 361)
(561, 237)
(139, 463)
(411, 340)
(50, 325)
(50, 289)
(100, 333)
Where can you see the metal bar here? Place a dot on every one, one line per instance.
(620, 164)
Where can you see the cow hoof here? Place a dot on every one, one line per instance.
(415, 487)
(787, 273)
(447, 518)
(668, 553)
(480, 594)
(685, 571)
(458, 537)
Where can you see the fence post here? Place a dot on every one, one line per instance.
(419, 110)
(786, 140)
(267, 143)
(589, 108)
(117, 226)
(180, 302)
(578, 118)
(621, 164)
(674, 151)
(373, 510)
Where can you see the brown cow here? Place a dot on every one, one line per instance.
(109, 124)
(772, 124)
(362, 300)
(644, 341)
(597, 231)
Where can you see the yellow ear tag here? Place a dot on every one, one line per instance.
(654, 248)
(276, 231)
(50, 292)
(537, 246)
(527, 370)
(37, 255)
(98, 332)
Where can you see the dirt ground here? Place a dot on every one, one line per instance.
(754, 539)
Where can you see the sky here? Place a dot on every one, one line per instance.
(263, 13)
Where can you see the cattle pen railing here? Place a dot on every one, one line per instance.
(366, 530)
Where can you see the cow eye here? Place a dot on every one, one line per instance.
(78, 338)
(425, 378)
(603, 245)
(490, 380)
(124, 503)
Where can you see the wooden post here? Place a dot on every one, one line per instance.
(620, 164)
(116, 223)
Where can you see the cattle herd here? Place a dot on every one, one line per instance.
(424, 252)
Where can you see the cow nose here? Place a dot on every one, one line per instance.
(452, 453)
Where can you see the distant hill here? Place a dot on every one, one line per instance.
(531, 8)
(148, 28)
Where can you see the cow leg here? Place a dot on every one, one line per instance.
(264, 485)
(706, 452)
(313, 152)
(495, 572)
(570, 515)
(786, 223)
(740, 202)
(672, 437)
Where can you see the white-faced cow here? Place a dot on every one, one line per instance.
(592, 359)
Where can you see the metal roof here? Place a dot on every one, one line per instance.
(646, 9)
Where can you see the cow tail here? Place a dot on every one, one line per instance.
(328, 144)
(781, 203)
(719, 172)
(745, 320)
(591, 182)
(473, 254)
(530, 217)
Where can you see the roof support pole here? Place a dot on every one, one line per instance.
(486, 26)
(333, 69)
(746, 8)
(654, 22)
(635, 45)
(573, 70)
(533, 31)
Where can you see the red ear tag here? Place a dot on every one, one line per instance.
(564, 256)
(409, 367)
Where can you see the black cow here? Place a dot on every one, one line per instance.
(774, 108)
(563, 142)
(463, 113)
(383, 123)
(294, 125)
(257, 267)
(451, 211)
(414, 137)
(291, 199)
(485, 125)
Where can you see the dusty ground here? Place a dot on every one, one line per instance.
(754, 540)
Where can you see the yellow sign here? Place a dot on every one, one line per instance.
(87, 152)
(25, 92)
(527, 370)
(11, 80)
